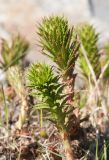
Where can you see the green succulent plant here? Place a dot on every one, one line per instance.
(60, 43)
(49, 90)
(57, 43)
(14, 52)
(89, 39)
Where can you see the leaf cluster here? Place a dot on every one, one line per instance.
(14, 52)
(89, 39)
(57, 43)
(47, 87)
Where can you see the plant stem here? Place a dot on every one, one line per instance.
(66, 144)
(6, 107)
(41, 118)
(23, 113)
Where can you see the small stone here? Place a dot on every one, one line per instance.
(3, 157)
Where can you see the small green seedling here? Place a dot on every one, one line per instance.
(88, 38)
(60, 43)
(46, 87)
(14, 52)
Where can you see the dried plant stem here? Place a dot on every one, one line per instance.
(100, 77)
(23, 113)
(88, 63)
(16, 79)
(66, 144)
(70, 88)
(102, 72)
